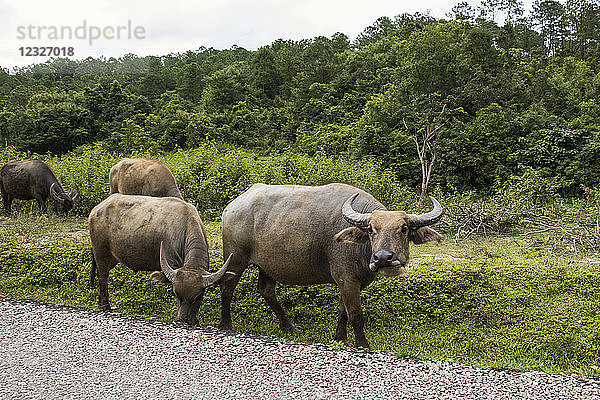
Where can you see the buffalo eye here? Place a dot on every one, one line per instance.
(404, 229)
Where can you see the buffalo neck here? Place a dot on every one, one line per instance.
(195, 248)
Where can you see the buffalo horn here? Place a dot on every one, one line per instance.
(353, 217)
(211, 279)
(433, 216)
(76, 195)
(164, 265)
(54, 194)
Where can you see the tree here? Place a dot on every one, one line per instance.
(549, 17)
(513, 9)
(480, 153)
(7, 83)
(584, 19)
(130, 138)
(264, 75)
(382, 27)
(224, 88)
(426, 141)
(6, 127)
(462, 12)
(59, 122)
(488, 9)
(157, 80)
(189, 83)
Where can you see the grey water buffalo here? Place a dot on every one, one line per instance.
(144, 177)
(301, 235)
(161, 234)
(26, 180)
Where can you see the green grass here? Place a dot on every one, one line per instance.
(506, 302)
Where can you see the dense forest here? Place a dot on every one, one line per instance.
(499, 98)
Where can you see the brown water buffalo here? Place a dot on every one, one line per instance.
(26, 180)
(162, 234)
(301, 235)
(142, 176)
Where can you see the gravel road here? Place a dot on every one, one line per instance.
(56, 352)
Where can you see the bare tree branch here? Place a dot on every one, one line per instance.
(426, 143)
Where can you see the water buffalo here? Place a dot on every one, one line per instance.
(142, 176)
(303, 235)
(162, 234)
(26, 180)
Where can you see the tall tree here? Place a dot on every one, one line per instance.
(549, 16)
(513, 10)
(488, 9)
(584, 19)
(264, 75)
(462, 12)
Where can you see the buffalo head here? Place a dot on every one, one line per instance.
(63, 202)
(188, 285)
(389, 233)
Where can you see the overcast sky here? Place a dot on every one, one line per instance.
(165, 27)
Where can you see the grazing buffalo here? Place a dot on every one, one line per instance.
(162, 234)
(303, 235)
(26, 180)
(142, 176)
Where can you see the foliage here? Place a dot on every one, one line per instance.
(520, 87)
(518, 155)
(211, 177)
(500, 302)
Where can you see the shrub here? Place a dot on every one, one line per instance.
(212, 177)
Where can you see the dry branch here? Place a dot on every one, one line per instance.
(570, 229)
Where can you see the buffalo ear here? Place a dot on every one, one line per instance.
(351, 235)
(424, 235)
(159, 277)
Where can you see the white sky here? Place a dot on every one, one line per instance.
(179, 25)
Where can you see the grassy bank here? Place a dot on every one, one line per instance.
(508, 302)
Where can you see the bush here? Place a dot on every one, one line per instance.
(212, 177)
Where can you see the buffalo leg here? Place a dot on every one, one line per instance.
(267, 288)
(103, 301)
(227, 285)
(350, 293)
(103, 266)
(341, 332)
(42, 204)
(7, 199)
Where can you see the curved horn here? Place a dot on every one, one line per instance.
(433, 216)
(353, 217)
(164, 265)
(76, 195)
(211, 279)
(55, 196)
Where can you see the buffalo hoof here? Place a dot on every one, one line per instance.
(343, 340)
(362, 345)
(183, 324)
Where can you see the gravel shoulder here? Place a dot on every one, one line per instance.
(56, 352)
